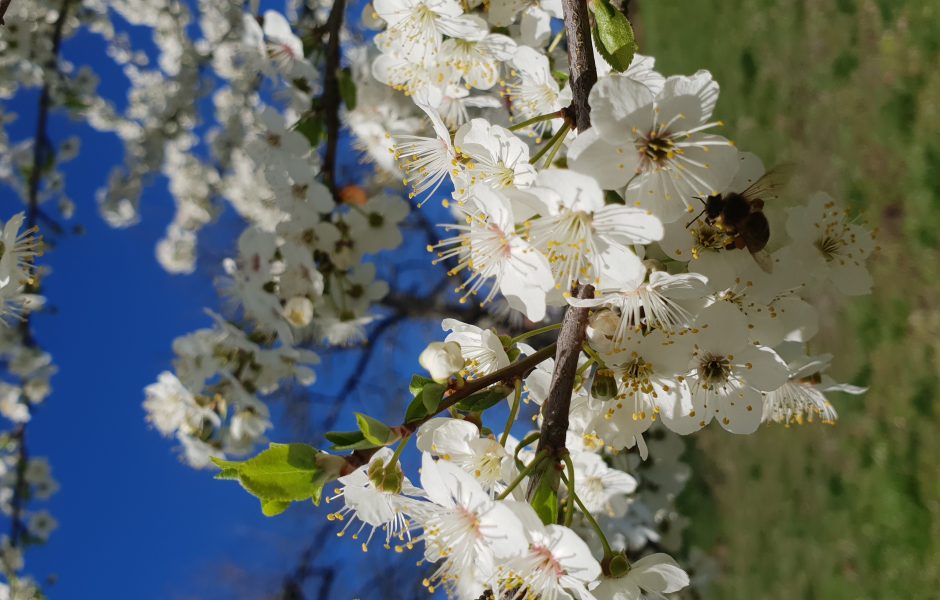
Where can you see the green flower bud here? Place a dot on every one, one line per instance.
(604, 386)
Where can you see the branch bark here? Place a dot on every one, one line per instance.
(580, 60)
(4, 5)
(517, 369)
(331, 95)
(40, 148)
(556, 407)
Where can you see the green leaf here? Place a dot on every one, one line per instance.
(375, 431)
(483, 400)
(311, 126)
(416, 410)
(428, 394)
(417, 384)
(545, 499)
(282, 474)
(272, 508)
(347, 88)
(613, 35)
(349, 440)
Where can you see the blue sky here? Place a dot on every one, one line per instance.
(134, 521)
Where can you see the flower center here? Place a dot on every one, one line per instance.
(714, 369)
(658, 147)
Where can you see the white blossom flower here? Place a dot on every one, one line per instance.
(493, 155)
(415, 28)
(828, 245)
(655, 146)
(441, 359)
(584, 238)
(464, 529)
(489, 246)
(802, 398)
(649, 577)
(601, 488)
(373, 506)
(557, 564)
(653, 302)
(460, 442)
(727, 374)
(482, 348)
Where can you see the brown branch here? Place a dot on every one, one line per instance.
(580, 61)
(331, 96)
(517, 369)
(40, 147)
(4, 5)
(556, 407)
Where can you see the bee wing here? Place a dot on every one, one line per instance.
(764, 261)
(770, 183)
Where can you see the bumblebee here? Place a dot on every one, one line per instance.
(739, 216)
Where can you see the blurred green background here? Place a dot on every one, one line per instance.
(850, 91)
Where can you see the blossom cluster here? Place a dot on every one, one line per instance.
(701, 270)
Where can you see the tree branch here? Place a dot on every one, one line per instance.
(517, 369)
(331, 96)
(4, 5)
(580, 60)
(40, 147)
(556, 407)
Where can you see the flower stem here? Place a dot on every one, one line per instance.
(608, 552)
(570, 483)
(559, 135)
(513, 412)
(555, 115)
(551, 157)
(535, 332)
(398, 450)
(523, 473)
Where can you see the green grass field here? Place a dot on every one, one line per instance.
(850, 91)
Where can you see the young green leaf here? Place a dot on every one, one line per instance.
(483, 400)
(349, 440)
(375, 431)
(613, 35)
(282, 474)
(545, 500)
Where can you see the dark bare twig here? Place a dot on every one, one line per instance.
(4, 5)
(518, 369)
(331, 96)
(40, 148)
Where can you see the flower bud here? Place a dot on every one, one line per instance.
(387, 478)
(604, 386)
(601, 329)
(616, 566)
(298, 311)
(442, 359)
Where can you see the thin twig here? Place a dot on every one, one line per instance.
(40, 146)
(4, 5)
(518, 369)
(331, 95)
